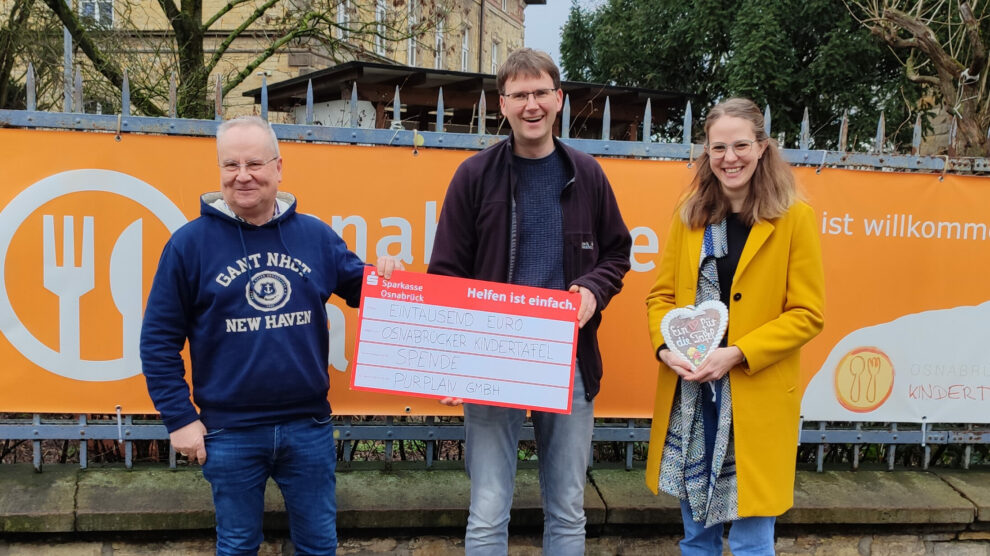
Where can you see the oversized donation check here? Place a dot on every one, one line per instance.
(486, 342)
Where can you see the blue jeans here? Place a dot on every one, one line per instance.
(563, 444)
(300, 456)
(748, 536)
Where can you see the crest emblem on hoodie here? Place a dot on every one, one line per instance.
(268, 291)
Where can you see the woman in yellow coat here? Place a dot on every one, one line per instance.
(724, 436)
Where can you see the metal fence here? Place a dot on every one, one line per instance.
(852, 437)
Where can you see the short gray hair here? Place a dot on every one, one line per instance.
(255, 121)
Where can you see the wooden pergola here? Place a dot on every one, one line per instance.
(419, 89)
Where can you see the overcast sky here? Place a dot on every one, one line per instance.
(543, 23)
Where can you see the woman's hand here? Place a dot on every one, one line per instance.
(716, 365)
(677, 364)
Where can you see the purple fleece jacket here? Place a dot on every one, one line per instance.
(476, 236)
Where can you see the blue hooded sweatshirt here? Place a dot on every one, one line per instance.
(251, 301)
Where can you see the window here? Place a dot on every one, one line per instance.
(465, 50)
(343, 18)
(494, 56)
(99, 12)
(438, 46)
(380, 12)
(411, 56)
(505, 5)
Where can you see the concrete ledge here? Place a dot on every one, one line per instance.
(66, 499)
(833, 497)
(628, 500)
(32, 502)
(142, 499)
(974, 486)
(405, 498)
(876, 497)
(434, 499)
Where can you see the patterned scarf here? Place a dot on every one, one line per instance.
(713, 498)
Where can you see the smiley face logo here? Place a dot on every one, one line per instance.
(864, 379)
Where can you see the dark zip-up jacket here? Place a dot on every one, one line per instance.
(476, 234)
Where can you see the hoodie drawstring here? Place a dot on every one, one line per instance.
(240, 233)
(281, 238)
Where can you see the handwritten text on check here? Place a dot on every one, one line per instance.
(490, 343)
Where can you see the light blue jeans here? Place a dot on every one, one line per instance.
(563, 444)
(300, 456)
(749, 536)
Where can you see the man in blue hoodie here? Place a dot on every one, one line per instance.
(246, 283)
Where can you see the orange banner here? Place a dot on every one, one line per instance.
(84, 218)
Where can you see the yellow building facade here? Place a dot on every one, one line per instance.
(459, 35)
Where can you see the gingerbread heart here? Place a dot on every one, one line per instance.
(694, 332)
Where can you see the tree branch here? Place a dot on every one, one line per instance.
(171, 11)
(973, 32)
(229, 40)
(926, 39)
(916, 77)
(9, 37)
(890, 37)
(222, 12)
(104, 65)
(301, 30)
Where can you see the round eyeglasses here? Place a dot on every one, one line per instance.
(741, 147)
(520, 97)
(251, 166)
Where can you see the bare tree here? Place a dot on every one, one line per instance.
(28, 33)
(946, 50)
(195, 45)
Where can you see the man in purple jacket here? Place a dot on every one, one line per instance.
(533, 211)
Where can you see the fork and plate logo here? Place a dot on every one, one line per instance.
(864, 379)
(71, 280)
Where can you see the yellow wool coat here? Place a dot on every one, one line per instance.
(777, 305)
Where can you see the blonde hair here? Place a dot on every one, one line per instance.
(772, 189)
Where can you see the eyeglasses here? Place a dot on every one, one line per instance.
(521, 97)
(251, 166)
(740, 147)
